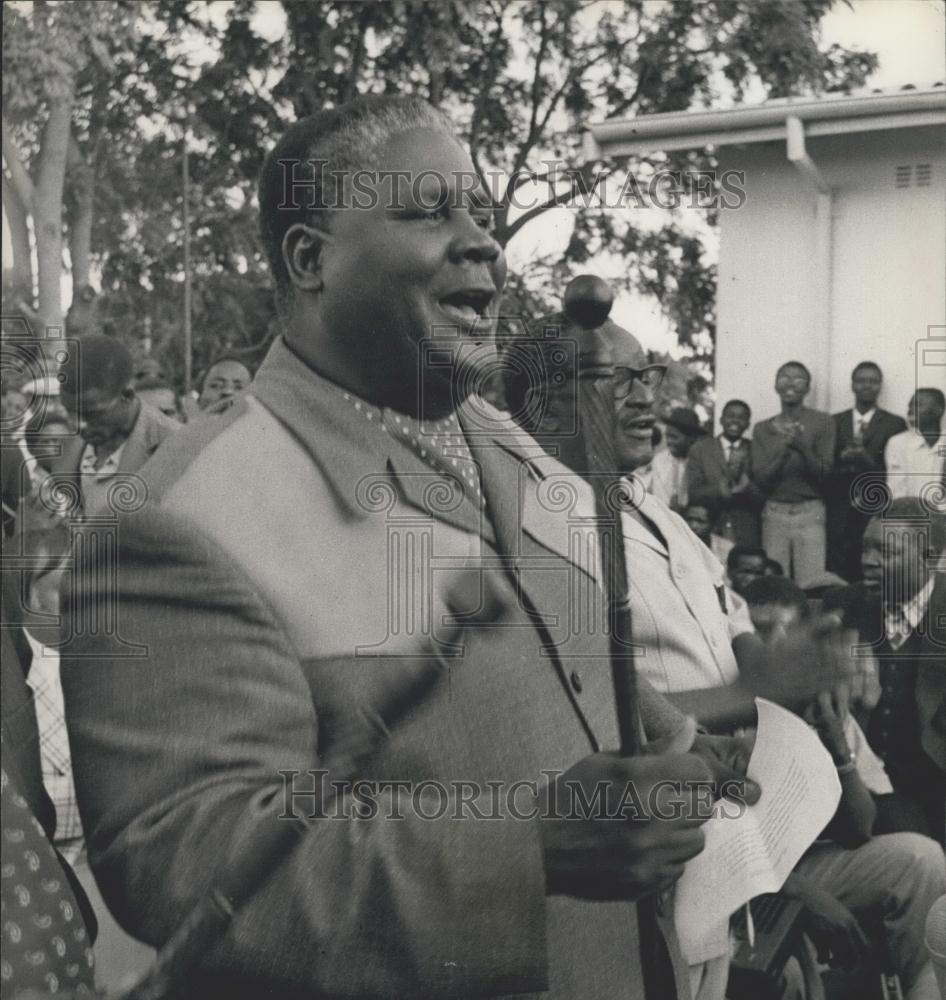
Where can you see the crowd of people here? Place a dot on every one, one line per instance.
(350, 548)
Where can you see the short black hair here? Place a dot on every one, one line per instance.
(96, 362)
(775, 566)
(778, 590)
(861, 365)
(937, 395)
(739, 402)
(793, 364)
(331, 143)
(738, 551)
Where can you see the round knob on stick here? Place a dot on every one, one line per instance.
(588, 301)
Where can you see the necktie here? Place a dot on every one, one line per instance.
(440, 443)
(45, 945)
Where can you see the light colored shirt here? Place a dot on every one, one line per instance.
(677, 593)
(95, 477)
(901, 621)
(912, 464)
(861, 421)
(668, 478)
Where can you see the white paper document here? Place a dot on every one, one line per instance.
(755, 852)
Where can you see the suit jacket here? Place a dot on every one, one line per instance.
(151, 428)
(270, 605)
(846, 522)
(707, 473)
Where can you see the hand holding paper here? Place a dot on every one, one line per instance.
(754, 852)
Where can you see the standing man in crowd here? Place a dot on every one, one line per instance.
(224, 379)
(861, 436)
(719, 473)
(916, 458)
(669, 468)
(117, 433)
(265, 605)
(792, 458)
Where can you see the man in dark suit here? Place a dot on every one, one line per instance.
(272, 606)
(862, 434)
(898, 610)
(719, 473)
(117, 432)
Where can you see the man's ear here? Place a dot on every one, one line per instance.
(302, 255)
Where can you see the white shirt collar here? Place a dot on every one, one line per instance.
(904, 619)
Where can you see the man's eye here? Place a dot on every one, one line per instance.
(484, 220)
(435, 214)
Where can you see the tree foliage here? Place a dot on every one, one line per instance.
(519, 77)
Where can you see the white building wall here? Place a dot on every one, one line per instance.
(887, 272)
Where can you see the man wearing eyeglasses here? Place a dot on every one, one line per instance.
(699, 646)
(117, 434)
(792, 462)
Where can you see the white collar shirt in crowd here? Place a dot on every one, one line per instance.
(902, 620)
(95, 476)
(862, 421)
(912, 465)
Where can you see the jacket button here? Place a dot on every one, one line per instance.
(576, 681)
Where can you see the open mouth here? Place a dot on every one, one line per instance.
(468, 305)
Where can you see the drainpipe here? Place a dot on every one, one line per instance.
(803, 163)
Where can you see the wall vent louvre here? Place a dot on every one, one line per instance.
(902, 176)
(924, 174)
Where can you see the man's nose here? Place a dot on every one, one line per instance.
(473, 242)
(641, 396)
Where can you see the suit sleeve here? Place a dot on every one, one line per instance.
(178, 752)
(700, 489)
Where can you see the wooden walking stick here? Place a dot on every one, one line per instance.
(587, 303)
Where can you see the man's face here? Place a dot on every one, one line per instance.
(100, 416)
(746, 570)
(224, 379)
(678, 443)
(866, 384)
(924, 411)
(735, 422)
(791, 384)
(893, 560)
(634, 426)
(407, 268)
(698, 519)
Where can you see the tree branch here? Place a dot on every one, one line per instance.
(533, 213)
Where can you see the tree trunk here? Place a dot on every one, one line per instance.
(81, 209)
(21, 271)
(47, 209)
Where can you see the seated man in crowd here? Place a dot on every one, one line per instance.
(698, 644)
(117, 433)
(745, 564)
(916, 458)
(898, 613)
(862, 434)
(668, 479)
(224, 379)
(859, 890)
(792, 459)
(700, 519)
(719, 473)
